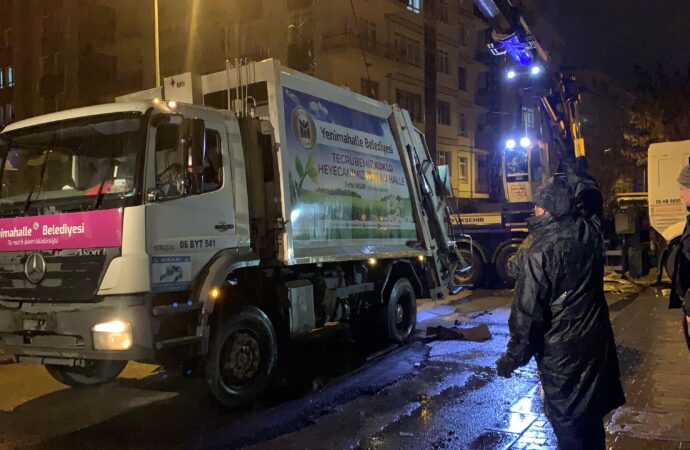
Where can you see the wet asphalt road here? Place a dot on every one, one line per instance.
(427, 395)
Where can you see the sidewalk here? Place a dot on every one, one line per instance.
(655, 365)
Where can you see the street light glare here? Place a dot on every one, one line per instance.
(525, 142)
(510, 144)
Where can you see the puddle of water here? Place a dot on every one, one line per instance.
(514, 422)
(528, 405)
(494, 440)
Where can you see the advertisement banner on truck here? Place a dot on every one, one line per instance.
(346, 181)
(92, 229)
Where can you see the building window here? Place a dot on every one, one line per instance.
(251, 38)
(463, 34)
(302, 24)
(370, 88)
(2, 115)
(442, 158)
(463, 162)
(463, 124)
(10, 76)
(409, 50)
(528, 117)
(59, 63)
(482, 175)
(9, 113)
(442, 11)
(443, 61)
(411, 102)
(7, 36)
(462, 78)
(47, 64)
(2, 79)
(443, 112)
(367, 33)
(413, 5)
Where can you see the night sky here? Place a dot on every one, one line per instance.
(612, 35)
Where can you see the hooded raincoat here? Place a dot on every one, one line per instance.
(560, 316)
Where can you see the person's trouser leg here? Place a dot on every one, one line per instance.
(582, 433)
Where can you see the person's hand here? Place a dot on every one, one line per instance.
(505, 365)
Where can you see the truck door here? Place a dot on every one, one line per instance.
(186, 226)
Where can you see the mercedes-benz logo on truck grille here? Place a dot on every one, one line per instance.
(35, 268)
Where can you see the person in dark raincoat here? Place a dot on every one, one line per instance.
(559, 316)
(680, 297)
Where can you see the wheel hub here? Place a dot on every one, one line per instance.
(510, 263)
(399, 313)
(242, 358)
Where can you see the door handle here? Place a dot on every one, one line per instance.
(224, 226)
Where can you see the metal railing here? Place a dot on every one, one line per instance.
(353, 40)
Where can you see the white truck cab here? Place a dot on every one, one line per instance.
(667, 212)
(176, 233)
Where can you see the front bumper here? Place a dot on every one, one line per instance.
(50, 330)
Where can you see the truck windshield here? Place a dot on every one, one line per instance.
(71, 165)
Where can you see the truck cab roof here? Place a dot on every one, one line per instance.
(108, 108)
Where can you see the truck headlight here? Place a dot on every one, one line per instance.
(115, 335)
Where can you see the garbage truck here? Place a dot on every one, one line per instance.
(205, 221)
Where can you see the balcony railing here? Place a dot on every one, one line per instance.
(352, 40)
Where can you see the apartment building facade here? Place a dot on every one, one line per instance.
(7, 76)
(373, 47)
(70, 53)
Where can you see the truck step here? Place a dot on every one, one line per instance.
(177, 341)
(175, 308)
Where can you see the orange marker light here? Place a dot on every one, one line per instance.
(215, 293)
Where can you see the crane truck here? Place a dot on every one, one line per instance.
(492, 234)
(252, 205)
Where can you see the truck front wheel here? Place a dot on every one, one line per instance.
(399, 314)
(94, 373)
(241, 358)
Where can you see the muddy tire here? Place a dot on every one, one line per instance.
(96, 373)
(242, 356)
(475, 275)
(505, 262)
(398, 316)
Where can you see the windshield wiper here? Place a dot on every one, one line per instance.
(39, 184)
(107, 175)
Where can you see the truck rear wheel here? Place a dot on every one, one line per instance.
(95, 373)
(242, 356)
(399, 314)
(505, 264)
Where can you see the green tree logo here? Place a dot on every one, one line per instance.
(302, 173)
